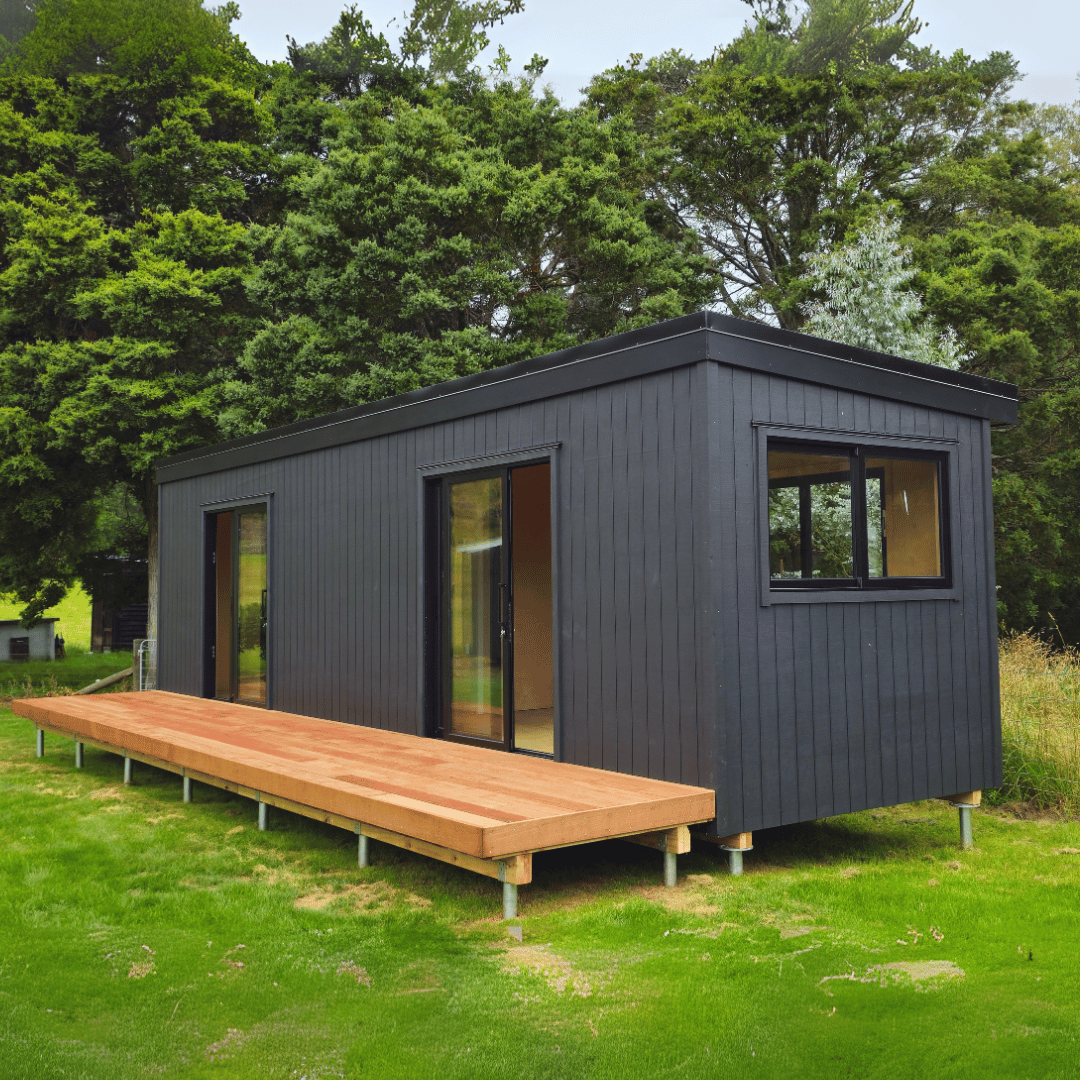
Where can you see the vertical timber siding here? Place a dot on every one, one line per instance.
(668, 664)
(346, 566)
(828, 708)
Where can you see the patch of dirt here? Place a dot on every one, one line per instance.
(956, 867)
(237, 829)
(1067, 851)
(141, 968)
(924, 975)
(232, 966)
(368, 899)
(354, 971)
(799, 931)
(850, 872)
(685, 901)
(700, 879)
(221, 1050)
(919, 971)
(933, 883)
(106, 793)
(278, 875)
(555, 970)
(164, 817)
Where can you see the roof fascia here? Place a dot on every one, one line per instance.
(522, 384)
(689, 340)
(992, 401)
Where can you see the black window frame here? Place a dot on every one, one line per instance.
(857, 453)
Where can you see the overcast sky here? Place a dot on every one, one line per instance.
(582, 37)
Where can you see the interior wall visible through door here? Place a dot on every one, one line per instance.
(238, 651)
(534, 678)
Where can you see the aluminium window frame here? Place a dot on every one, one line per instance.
(833, 590)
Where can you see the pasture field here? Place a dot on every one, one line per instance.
(73, 612)
(141, 937)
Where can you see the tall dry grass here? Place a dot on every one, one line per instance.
(1040, 722)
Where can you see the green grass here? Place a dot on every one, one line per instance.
(74, 615)
(30, 678)
(403, 970)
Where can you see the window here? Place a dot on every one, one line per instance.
(855, 517)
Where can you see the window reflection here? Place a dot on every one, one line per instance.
(810, 522)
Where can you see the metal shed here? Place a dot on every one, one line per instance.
(709, 552)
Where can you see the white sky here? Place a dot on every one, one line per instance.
(582, 37)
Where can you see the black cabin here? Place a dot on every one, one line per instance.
(709, 551)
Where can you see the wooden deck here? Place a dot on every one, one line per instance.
(483, 809)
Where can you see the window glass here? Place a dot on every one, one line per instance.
(251, 606)
(476, 611)
(810, 520)
(903, 517)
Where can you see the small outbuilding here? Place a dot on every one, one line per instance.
(709, 552)
(37, 643)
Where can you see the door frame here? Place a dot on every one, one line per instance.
(434, 480)
(210, 510)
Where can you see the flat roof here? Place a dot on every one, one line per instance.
(705, 335)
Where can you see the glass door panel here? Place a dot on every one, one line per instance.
(238, 597)
(533, 668)
(475, 618)
(223, 615)
(251, 606)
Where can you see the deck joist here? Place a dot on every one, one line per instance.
(484, 809)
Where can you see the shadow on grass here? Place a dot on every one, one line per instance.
(562, 878)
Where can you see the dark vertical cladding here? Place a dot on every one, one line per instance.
(352, 545)
(670, 660)
(836, 706)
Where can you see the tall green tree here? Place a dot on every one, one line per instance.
(997, 239)
(789, 135)
(480, 226)
(134, 153)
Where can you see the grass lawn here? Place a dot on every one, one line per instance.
(141, 937)
(80, 669)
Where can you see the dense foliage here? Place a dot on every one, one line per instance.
(195, 245)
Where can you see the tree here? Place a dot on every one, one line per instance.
(482, 226)
(134, 152)
(866, 301)
(768, 157)
(1012, 290)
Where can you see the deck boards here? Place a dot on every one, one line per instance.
(484, 803)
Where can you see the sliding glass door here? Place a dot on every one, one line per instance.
(498, 678)
(239, 596)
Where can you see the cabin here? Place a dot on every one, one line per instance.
(709, 552)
